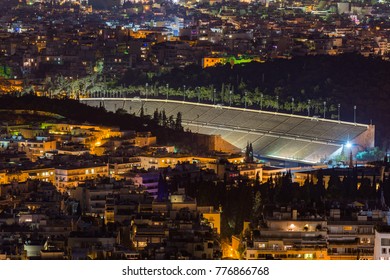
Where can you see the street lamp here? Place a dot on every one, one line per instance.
(146, 90)
(230, 98)
(338, 111)
(354, 114)
(292, 105)
(167, 91)
(261, 101)
(353, 147)
(277, 103)
(184, 93)
(308, 108)
(324, 108)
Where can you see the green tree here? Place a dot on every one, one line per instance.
(164, 119)
(334, 186)
(178, 124)
(171, 122)
(257, 205)
(156, 116)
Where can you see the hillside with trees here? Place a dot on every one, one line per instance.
(302, 85)
(329, 86)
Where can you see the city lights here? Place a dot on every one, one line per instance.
(195, 130)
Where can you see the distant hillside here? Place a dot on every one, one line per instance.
(347, 79)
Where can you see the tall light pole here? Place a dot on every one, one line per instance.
(324, 109)
(230, 98)
(214, 92)
(292, 105)
(167, 91)
(184, 93)
(146, 90)
(261, 101)
(308, 108)
(338, 111)
(354, 113)
(277, 103)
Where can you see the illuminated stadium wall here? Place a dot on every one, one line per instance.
(272, 134)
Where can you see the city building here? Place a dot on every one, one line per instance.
(382, 243)
(68, 177)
